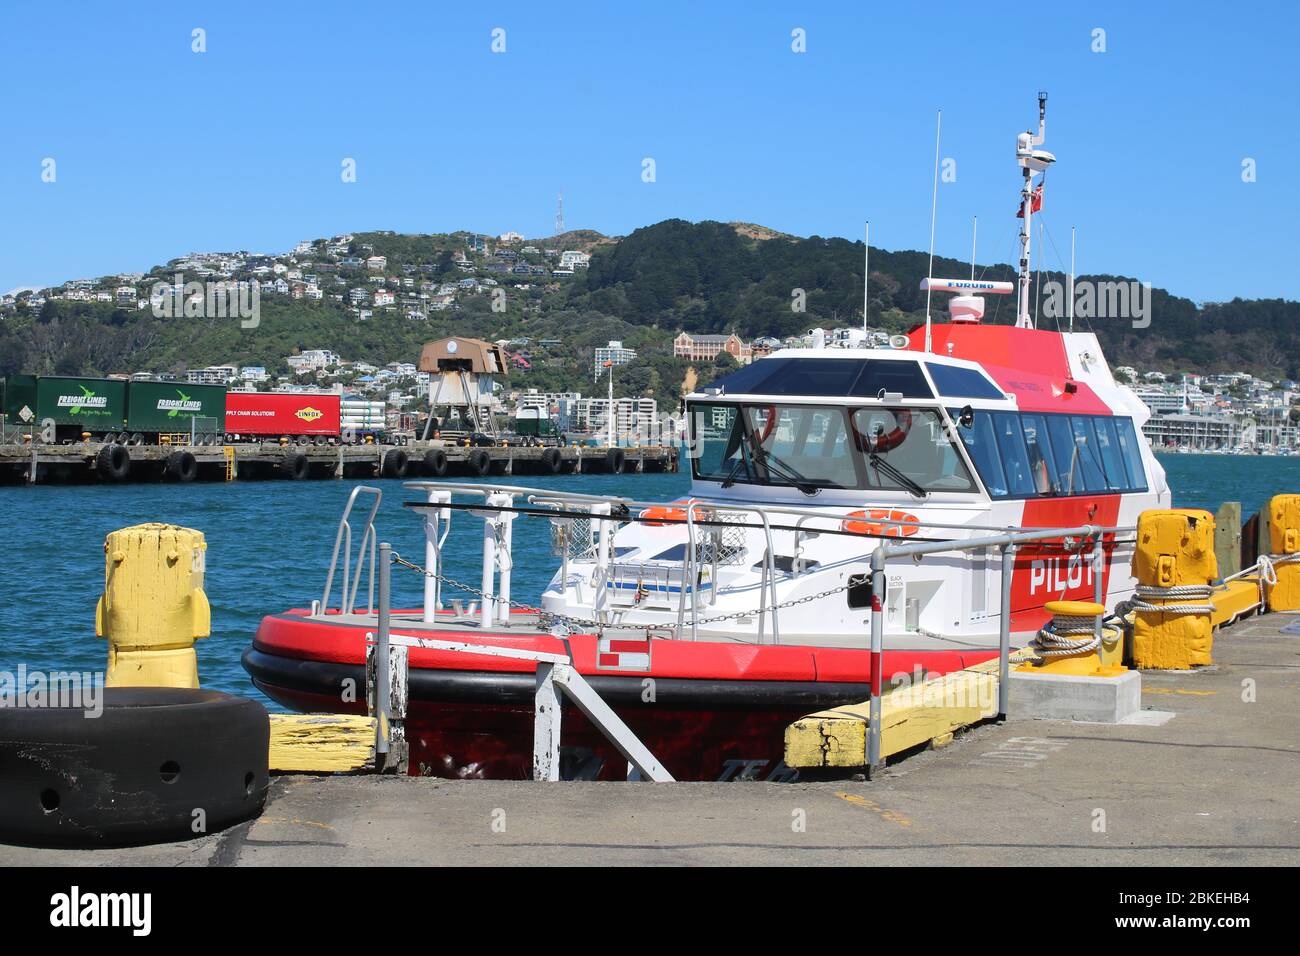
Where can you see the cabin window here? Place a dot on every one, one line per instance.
(953, 381)
(1108, 449)
(1044, 467)
(1015, 454)
(806, 442)
(982, 444)
(1131, 452)
(1027, 455)
(839, 377)
(817, 446)
(1087, 474)
(913, 441)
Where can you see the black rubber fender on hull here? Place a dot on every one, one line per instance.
(157, 765)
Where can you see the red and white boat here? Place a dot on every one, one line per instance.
(709, 624)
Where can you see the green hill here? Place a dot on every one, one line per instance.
(641, 288)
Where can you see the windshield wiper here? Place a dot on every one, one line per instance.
(735, 471)
(906, 481)
(790, 475)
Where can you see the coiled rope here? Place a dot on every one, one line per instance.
(1148, 592)
(1060, 637)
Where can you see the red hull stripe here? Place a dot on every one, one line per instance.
(291, 635)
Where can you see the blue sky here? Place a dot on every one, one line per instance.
(160, 151)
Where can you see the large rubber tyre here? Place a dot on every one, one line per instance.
(113, 463)
(294, 466)
(395, 463)
(138, 773)
(435, 462)
(479, 462)
(182, 466)
(615, 459)
(551, 461)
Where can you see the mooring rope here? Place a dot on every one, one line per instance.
(1059, 636)
(1148, 592)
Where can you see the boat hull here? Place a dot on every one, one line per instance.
(471, 716)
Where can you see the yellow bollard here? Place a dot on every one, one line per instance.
(1174, 564)
(153, 607)
(1074, 623)
(1284, 543)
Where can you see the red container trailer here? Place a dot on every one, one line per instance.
(257, 415)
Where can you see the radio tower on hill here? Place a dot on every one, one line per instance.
(559, 214)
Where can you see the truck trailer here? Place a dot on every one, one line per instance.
(298, 416)
(58, 408)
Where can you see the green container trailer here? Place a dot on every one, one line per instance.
(19, 403)
(73, 403)
(168, 407)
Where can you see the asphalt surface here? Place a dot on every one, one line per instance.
(1206, 776)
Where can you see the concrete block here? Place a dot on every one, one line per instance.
(1106, 700)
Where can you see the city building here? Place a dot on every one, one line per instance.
(614, 353)
(704, 348)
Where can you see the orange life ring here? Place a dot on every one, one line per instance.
(659, 515)
(878, 521)
(889, 440)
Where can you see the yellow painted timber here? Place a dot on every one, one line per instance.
(1239, 597)
(321, 743)
(910, 716)
(1284, 539)
(153, 607)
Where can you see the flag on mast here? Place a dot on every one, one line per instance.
(1035, 204)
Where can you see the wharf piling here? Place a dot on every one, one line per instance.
(94, 461)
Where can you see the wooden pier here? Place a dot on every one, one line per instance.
(96, 462)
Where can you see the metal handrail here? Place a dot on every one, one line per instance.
(343, 537)
(1008, 542)
(826, 512)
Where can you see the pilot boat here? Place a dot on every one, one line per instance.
(710, 623)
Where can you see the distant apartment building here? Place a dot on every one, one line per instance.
(615, 354)
(312, 360)
(510, 237)
(212, 375)
(1195, 431)
(572, 259)
(705, 348)
(631, 415)
(377, 263)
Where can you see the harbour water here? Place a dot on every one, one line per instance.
(269, 544)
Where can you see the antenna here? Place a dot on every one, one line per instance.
(1070, 302)
(559, 214)
(866, 273)
(1031, 161)
(934, 205)
(974, 231)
